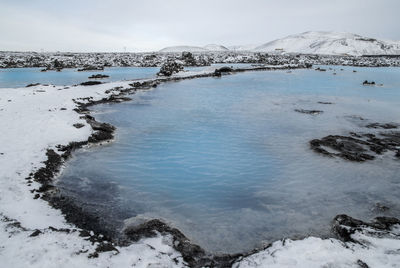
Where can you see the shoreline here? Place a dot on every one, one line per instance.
(192, 254)
(103, 132)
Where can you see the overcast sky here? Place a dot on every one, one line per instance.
(148, 25)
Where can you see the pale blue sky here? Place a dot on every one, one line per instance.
(153, 24)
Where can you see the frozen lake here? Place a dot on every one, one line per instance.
(227, 160)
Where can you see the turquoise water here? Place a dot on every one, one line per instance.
(20, 77)
(226, 160)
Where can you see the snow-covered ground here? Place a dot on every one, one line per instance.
(37, 118)
(32, 120)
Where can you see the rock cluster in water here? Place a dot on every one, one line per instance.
(359, 147)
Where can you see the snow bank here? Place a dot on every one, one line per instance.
(32, 120)
(377, 250)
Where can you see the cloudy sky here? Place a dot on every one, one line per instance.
(148, 25)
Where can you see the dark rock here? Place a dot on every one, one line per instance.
(98, 76)
(362, 264)
(101, 126)
(344, 226)
(169, 68)
(36, 196)
(99, 136)
(33, 85)
(90, 83)
(224, 69)
(191, 253)
(78, 125)
(367, 83)
(91, 68)
(384, 126)
(348, 148)
(312, 112)
(325, 102)
(320, 69)
(45, 174)
(35, 233)
(385, 222)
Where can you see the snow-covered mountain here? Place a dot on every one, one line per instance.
(177, 49)
(243, 47)
(334, 43)
(214, 47)
(327, 43)
(207, 48)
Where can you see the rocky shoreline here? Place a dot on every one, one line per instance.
(192, 254)
(343, 226)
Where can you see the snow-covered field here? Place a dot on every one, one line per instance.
(37, 118)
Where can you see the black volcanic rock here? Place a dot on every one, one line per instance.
(169, 68)
(91, 83)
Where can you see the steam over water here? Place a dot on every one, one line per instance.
(227, 160)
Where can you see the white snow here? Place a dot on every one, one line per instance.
(178, 49)
(331, 43)
(206, 48)
(248, 47)
(316, 252)
(214, 47)
(31, 121)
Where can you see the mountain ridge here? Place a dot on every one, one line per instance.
(311, 42)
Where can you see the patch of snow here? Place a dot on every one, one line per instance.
(374, 251)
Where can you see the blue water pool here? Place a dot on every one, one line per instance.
(20, 77)
(227, 161)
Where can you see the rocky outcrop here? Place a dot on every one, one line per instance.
(311, 112)
(98, 76)
(358, 147)
(169, 68)
(91, 83)
(367, 83)
(344, 226)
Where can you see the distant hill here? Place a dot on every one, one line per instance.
(176, 49)
(328, 43)
(213, 47)
(242, 47)
(333, 43)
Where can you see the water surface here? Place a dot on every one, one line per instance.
(20, 77)
(227, 161)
